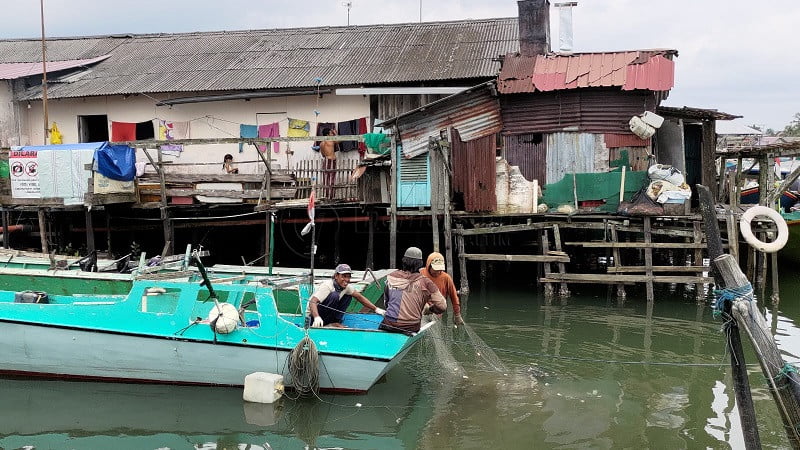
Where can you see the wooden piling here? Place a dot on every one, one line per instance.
(648, 260)
(371, 242)
(462, 260)
(741, 382)
(697, 260)
(448, 239)
(617, 264)
(564, 289)
(548, 286)
(435, 227)
(775, 297)
(781, 378)
(43, 230)
(6, 237)
(90, 247)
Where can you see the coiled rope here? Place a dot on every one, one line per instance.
(304, 367)
(730, 295)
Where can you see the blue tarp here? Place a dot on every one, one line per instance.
(117, 162)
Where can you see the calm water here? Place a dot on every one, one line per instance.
(585, 373)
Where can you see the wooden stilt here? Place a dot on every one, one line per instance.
(548, 287)
(393, 205)
(697, 260)
(371, 242)
(267, 240)
(564, 289)
(648, 260)
(462, 260)
(435, 228)
(775, 297)
(448, 239)
(744, 399)
(6, 237)
(762, 269)
(617, 264)
(43, 230)
(108, 231)
(733, 235)
(90, 247)
(337, 257)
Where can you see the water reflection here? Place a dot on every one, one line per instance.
(585, 373)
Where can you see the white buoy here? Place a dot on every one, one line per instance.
(262, 387)
(224, 317)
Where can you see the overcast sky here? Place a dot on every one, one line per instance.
(737, 56)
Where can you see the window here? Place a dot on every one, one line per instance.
(93, 128)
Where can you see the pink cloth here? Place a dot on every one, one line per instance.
(268, 131)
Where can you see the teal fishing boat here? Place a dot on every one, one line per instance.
(185, 332)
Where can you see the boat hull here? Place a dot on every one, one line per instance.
(38, 350)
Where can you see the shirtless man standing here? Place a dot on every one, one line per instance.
(328, 151)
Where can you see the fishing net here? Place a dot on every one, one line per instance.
(484, 355)
(437, 342)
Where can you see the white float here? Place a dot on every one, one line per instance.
(262, 387)
(747, 232)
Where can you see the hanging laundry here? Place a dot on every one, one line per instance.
(145, 130)
(123, 131)
(377, 142)
(348, 128)
(299, 128)
(170, 131)
(321, 126)
(55, 135)
(362, 129)
(268, 131)
(127, 131)
(247, 131)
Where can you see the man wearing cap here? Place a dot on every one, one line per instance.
(434, 270)
(409, 295)
(336, 295)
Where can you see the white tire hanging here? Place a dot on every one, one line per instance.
(747, 232)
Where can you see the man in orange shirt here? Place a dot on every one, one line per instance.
(434, 270)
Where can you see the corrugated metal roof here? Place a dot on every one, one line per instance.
(341, 56)
(641, 69)
(12, 71)
(475, 113)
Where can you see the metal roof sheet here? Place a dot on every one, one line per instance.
(640, 69)
(12, 71)
(293, 58)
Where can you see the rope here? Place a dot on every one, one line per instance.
(303, 368)
(729, 295)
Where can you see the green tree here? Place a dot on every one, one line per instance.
(793, 129)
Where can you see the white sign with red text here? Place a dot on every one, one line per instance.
(23, 167)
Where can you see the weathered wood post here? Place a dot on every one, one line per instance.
(43, 230)
(741, 382)
(782, 378)
(462, 260)
(6, 237)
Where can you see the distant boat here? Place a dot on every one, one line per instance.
(751, 196)
(156, 334)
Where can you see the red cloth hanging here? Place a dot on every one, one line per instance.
(123, 131)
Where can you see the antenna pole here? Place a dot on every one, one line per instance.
(44, 76)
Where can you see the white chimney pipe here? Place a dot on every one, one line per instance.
(565, 25)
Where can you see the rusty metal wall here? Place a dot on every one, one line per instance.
(474, 172)
(587, 110)
(475, 113)
(529, 152)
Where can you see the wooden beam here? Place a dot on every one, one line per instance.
(614, 278)
(516, 258)
(462, 261)
(648, 260)
(644, 245)
(640, 269)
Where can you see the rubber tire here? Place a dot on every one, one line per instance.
(747, 232)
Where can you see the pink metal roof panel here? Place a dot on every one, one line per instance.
(657, 74)
(12, 71)
(647, 69)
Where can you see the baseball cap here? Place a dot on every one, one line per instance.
(343, 268)
(413, 252)
(437, 264)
